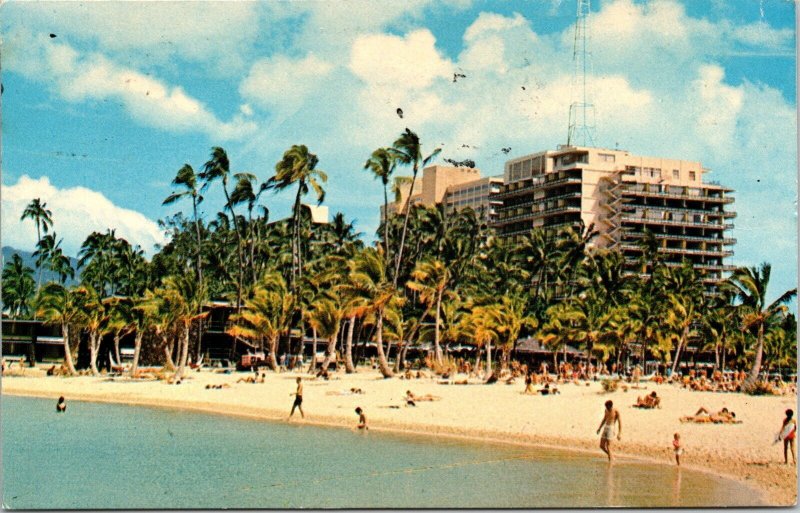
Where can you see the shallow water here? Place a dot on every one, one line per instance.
(114, 456)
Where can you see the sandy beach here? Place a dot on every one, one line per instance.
(499, 412)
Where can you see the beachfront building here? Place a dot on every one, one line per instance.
(454, 187)
(621, 195)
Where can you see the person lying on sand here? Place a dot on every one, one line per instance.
(352, 391)
(703, 416)
(649, 401)
(218, 386)
(248, 379)
(411, 398)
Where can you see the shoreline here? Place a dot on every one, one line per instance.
(760, 477)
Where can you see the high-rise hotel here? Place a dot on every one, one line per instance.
(622, 195)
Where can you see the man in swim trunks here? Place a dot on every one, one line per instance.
(610, 417)
(789, 427)
(298, 399)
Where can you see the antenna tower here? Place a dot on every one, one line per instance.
(581, 109)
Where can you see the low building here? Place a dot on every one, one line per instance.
(455, 187)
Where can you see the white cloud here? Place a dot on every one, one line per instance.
(281, 82)
(219, 34)
(77, 212)
(408, 62)
(78, 78)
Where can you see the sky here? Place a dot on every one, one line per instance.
(104, 101)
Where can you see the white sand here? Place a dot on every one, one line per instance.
(498, 412)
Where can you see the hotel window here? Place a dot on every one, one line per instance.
(692, 176)
(676, 174)
(606, 157)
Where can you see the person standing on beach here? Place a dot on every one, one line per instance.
(677, 447)
(788, 434)
(298, 399)
(610, 417)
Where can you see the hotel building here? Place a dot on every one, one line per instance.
(455, 187)
(622, 195)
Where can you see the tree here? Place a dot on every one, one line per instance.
(408, 150)
(430, 279)
(94, 320)
(218, 168)
(382, 163)
(325, 316)
(38, 212)
(58, 305)
(298, 167)
(750, 284)
(267, 315)
(185, 297)
(187, 179)
(368, 281)
(48, 252)
(18, 287)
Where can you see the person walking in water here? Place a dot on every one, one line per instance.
(298, 399)
(362, 419)
(610, 417)
(788, 434)
(61, 405)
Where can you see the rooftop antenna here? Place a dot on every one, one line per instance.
(581, 110)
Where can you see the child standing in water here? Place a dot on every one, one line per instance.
(677, 447)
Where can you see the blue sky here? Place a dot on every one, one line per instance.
(98, 119)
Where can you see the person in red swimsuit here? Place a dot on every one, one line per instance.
(789, 433)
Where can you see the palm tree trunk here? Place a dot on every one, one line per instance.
(67, 350)
(184, 352)
(313, 365)
(137, 350)
(680, 346)
(386, 224)
(437, 347)
(168, 362)
(384, 366)
(273, 352)
(488, 358)
(296, 264)
(750, 382)
(199, 240)
(407, 209)
(330, 353)
(116, 346)
(238, 247)
(93, 349)
(348, 353)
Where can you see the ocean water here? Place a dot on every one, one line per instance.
(105, 456)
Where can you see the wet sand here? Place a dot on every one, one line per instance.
(498, 412)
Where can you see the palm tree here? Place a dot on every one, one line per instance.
(38, 212)
(298, 166)
(185, 297)
(479, 325)
(188, 180)
(218, 168)
(751, 285)
(267, 315)
(430, 279)
(683, 292)
(508, 318)
(368, 281)
(408, 150)
(58, 305)
(18, 287)
(382, 163)
(325, 317)
(48, 252)
(94, 321)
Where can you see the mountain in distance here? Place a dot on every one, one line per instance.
(30, 261)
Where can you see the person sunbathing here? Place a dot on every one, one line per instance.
(412, 398)
(248, 379)
(649, 401)
(704, 416)
(548, 391)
